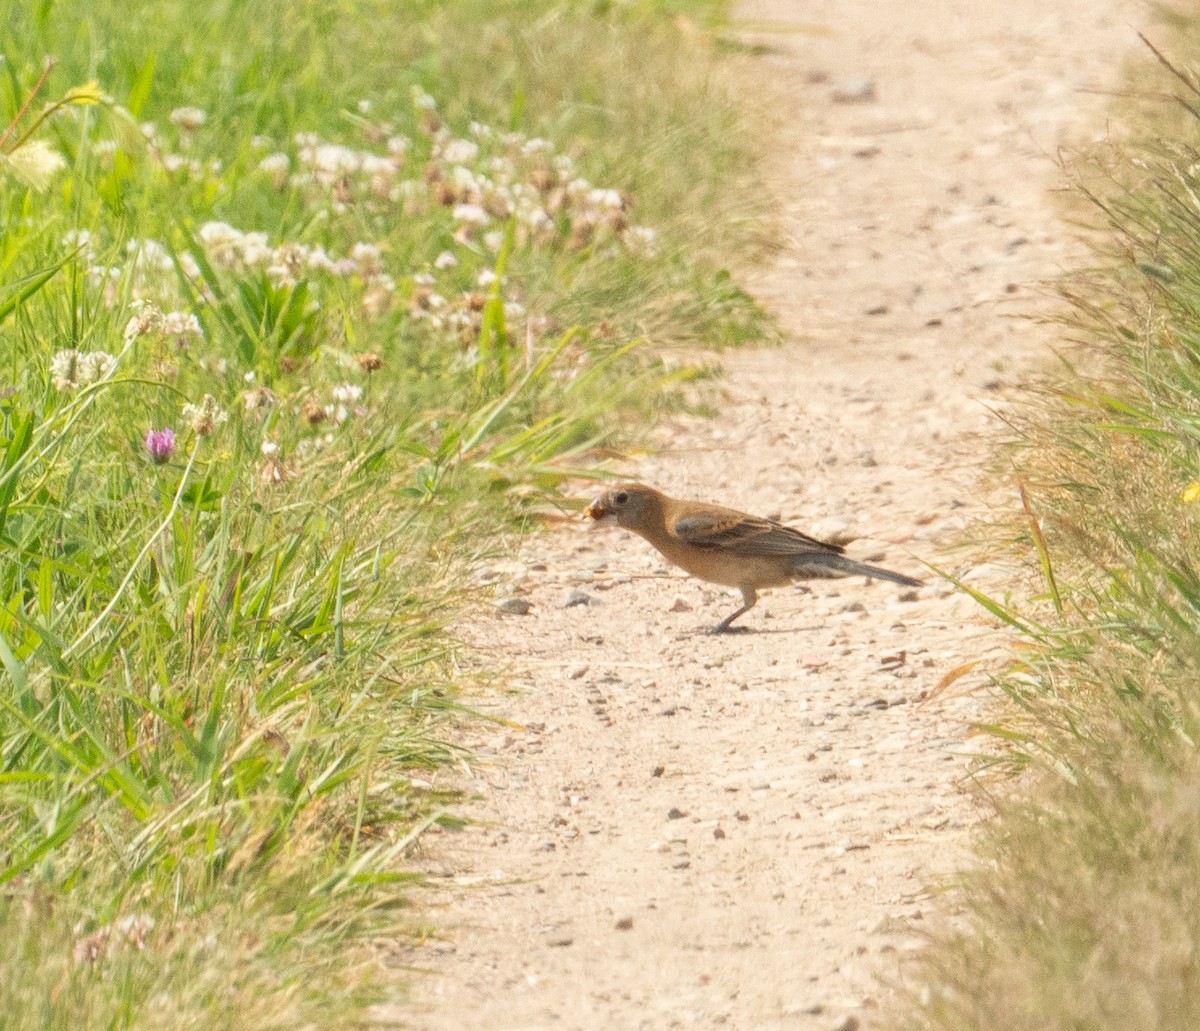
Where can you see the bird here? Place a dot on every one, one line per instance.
(728, 547)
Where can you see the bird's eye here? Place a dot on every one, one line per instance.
(620, 497)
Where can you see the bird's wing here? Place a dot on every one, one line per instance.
(747, 535)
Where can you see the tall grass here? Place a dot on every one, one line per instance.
(296, 302)
(1084, 912)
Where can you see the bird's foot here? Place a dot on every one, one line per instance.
(722, 628)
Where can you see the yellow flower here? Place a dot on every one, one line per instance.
(1191, 492)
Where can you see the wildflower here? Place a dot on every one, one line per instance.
(445, 260)
(276, 166)
(260, 397)
(314, 414)
(135, 928)
(1191, 492)
(180, 325)
(370, 362)
(95, 366)
(460, 152)
(64, 370)
(422, 100)
(90, 948)
(471, 214)
(160, 444)
(378, 297)
(70, 369)
(189, 118)
(147, 318)
(642, 240)
(347, 393)
(367, 256)
(205, 417)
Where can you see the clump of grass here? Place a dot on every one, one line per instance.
(298, 300)
(1085, 911)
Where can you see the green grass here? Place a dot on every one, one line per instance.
(387, 272)
(1085, 910)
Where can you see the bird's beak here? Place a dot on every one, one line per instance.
(600, 514)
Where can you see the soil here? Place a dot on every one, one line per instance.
(748, 831)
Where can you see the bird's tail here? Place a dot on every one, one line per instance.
(821, 565)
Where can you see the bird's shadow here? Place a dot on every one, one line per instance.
(744, 631)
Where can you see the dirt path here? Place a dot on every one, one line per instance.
(738, 831)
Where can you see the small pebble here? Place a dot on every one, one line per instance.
(625, 923)
(680, 604)
(675, 814)
(514, 606)
(853, 91)
(569, 599)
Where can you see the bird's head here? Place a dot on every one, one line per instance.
(631, 505)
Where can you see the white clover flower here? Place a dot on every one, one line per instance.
(445, 260)
(256, 250)
(259, 398)
(181, 324)
(494, 240)
(275, 164)
(398, 146)
(460, 152)
(538, 220)
(642, 240)
(135, 928)
(422, 99)
(269, 449)
(424, 279)
(348, 393)
(472, 214)
(319, 259)
(146, 319)
(222, 241)
(94, 366)
(189, 118)
(64, 369)
(606, 198)
(330, 162)
(368, 256)
(205, 417)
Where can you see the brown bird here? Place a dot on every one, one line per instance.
(728, 547)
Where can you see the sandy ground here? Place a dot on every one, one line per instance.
(684, 831)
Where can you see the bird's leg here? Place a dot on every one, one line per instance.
(750, 598)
